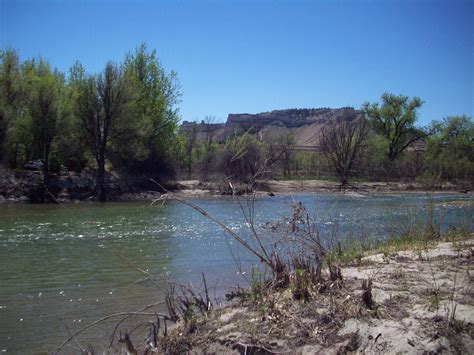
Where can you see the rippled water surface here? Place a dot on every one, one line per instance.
(62, 267)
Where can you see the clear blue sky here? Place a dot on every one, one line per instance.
(254, 56)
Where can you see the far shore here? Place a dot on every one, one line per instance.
(23, 186)
(269, 187)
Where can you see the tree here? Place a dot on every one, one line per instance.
(242, 157)
(101, 105)
(280, 150)
(342, 143)
(450, 153)
(73, 156)
(45, 90)
(190, 145)
(209, 131)
(147, 139)
(395, 121)
(10, 93)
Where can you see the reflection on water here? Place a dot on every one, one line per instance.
(64, 266)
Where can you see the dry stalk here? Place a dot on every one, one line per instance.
(120, 314)
(169, 196)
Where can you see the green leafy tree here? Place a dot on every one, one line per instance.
(395, 120)
(153, 115)
(45, 90)
(101, 106)
(374, 156)
(19, 140)
(73, 156)
(10, 94)
(450, 153)
(242, 157)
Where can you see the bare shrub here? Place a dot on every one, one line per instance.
(367, 299)
(342, 143)
(291, 249)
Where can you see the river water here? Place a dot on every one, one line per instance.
(64, 266)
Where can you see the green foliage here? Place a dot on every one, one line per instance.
(310, 165)
(126, 118)
(128, 114)
(395, 120)
(73, 156)
(10, 97)
(258, 285)
(374, 155)
(45, 106)
(147, 138)
(179, 151)
(300, 284)
(450, 153)
(32, 108)
(19, 140)
(242, 156)
(101, 107)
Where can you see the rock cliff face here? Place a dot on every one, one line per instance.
(292, 118)
(304, 124)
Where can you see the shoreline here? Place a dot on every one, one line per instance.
(266, 187)
(23, 186)
(421, 300)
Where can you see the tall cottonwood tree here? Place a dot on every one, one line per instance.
(342, 143)
(101, 105)
(450, 150)
(153, 112)
(10, 93)
(45, 99)
(395, 120)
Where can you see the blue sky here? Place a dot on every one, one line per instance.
(252, 56)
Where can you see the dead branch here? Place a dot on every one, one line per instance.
(162, 316)
(169, 196)
(112, 336)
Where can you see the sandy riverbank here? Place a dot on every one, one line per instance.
(422, 302)
(269, 187)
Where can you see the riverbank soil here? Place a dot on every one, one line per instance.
(26, 186)
(265, 187)
(412, 301)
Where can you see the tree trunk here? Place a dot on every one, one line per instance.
(344, 181)
(189, 167)
(45, 187)
(101, 178)
(15, 156)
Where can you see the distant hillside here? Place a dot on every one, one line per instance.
(305, 124)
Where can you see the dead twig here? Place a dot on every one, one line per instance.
(171, 196)
(112, 336)
(163, 316)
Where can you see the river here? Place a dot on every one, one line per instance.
(63, 266)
